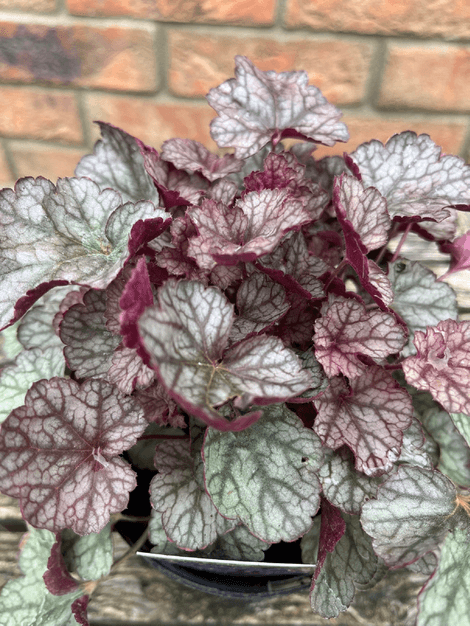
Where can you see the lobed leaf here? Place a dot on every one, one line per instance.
(256, 107)
(66, 233)
(410, 172)
(441, 365)
(186, 334)
(116, 162)
(346, 330)
(60, 454)
(411, 514)
(369, 417)
(264, 475)
(187, 154)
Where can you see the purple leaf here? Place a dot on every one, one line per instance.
(369, 417)
(135, 297)
(159, 407)
(176, 188)
(250, 229)
(459, 251)
(283, 171)
(417, 181)
(441, 365)
(332, 528)
(347, 329)
(57, 578)
(257, 107)
(59, 454)
(187, 154)
(128, 371)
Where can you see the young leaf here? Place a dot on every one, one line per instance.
(444, 599)
(66, 233)
(60, 454)
(57, 578)
(257, 107)
(116, 162)
(29, 366)
(369, 417)
(459, 250)
(346, 330)
(264, 475)
(26, 600)
(186, 334)
(187, 154)
(189, 518)
(92, 555)
(419, 298)
(441, 365)
(413, 510)
(351, 562)
(252, 228)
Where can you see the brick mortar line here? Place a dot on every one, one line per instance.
(65, 19)
(9, 158)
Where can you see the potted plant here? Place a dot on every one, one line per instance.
(237, 329)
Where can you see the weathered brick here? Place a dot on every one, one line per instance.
(51, 162)
(35, 6)
(152, 122)
(39, 114)
(203, 60)
(83, 56)
(6, 177)
(239, 12)
(448, 18)
(449, 135)
(428, 77)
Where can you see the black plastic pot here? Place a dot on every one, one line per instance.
(249, 583)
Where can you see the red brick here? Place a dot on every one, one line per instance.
(201, 61)
(34, 6)
(39, 114)
(429, 77)
(449, 18)
(6, 177)
(449, 135)
(241, 12)
(152, 122)
(107, 58)
(51, 162)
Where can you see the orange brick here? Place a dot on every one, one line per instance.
(449, 19)
(152, 122)
(83, 56)
(6, 177)
(39, 114)
(201, 61)
(449, 135)
(51, 162)
(429, 77)
(241, 12)
(35, 6)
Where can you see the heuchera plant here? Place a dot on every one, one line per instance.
(239, 324)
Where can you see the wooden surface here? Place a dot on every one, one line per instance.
(135, 594)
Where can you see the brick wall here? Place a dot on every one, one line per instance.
(145, 65)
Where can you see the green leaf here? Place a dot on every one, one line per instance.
(413, 510)
(29, 367)
(445, 598)
(93, 554)
(10, 347)
(264, 475)
(352, 561)
(25, 601)
(462, 422)
(419, 298)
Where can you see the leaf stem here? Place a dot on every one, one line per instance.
(133, 549)
(401, 242)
